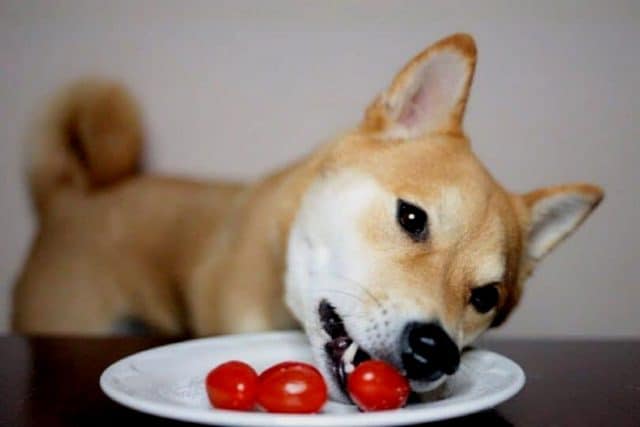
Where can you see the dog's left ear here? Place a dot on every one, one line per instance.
(429, 94)
(554, 213)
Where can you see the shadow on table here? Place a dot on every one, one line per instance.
(491, 417)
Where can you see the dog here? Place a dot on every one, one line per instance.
(390, 241)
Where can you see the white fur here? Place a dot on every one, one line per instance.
(554, 218)
(491, 268)
(445, 216)
(326, 256)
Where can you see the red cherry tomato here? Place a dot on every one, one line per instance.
(375, 385)
(278, 367)
(232, 385)
(292, 387)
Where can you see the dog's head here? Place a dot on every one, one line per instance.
(405, 245)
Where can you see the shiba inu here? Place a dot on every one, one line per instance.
(391, 241)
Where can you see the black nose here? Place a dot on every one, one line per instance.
(427, 352)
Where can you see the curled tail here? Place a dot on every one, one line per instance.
(90, 137)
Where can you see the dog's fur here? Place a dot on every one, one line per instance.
(115, 246)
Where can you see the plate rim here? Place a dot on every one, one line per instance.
(369, 419)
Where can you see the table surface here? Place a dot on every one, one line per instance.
(53, 381)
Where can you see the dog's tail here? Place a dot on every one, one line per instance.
(90, 137)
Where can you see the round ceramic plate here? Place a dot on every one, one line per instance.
(168, 381)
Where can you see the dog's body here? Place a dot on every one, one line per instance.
(394, 226)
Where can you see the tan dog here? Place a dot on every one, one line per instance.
(392, 236)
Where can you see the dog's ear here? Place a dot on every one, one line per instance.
(554, 213)
(429, 94)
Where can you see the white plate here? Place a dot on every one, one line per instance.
(169, 381)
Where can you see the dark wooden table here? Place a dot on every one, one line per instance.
(54, 382)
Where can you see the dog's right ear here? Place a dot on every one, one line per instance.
(428, 95)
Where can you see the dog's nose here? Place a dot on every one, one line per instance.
(427, 352)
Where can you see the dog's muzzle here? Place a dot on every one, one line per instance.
(427, 352)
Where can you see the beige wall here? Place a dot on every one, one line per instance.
(237, 89)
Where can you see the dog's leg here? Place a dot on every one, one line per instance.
(238, 290)
(61, 295)
(88, 289)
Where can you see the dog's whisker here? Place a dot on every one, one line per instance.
(354, 316)
(349, 279)
(341, 292)
(354, 296)
(348, 315)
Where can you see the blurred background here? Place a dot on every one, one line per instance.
(239, 88)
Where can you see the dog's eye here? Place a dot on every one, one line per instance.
(413, 220)
(484, 298)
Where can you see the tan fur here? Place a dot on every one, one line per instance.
(207, 258)
(90, 136)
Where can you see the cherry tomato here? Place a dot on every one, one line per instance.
(232, 385)
(292, 387)
(375, 385)
(278, 367)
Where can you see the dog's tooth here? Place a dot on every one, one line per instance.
(347, 358)
(350, 353)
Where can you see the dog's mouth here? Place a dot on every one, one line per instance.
(342, 352)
